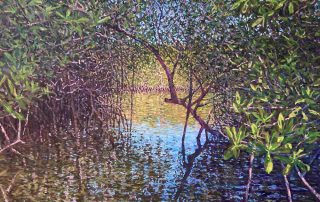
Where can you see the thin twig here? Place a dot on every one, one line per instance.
(4, 194)
(3, 130)
(287, 183)
(26, 122)
(12, 182)
(12, 144)
(306, 183)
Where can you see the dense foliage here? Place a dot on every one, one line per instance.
(280, 103)
(266, 53)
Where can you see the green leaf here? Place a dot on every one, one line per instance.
(263, 99)
(291, 8)
(3, 80)
(234, 131)
(238, 98)
(313, 136)
(310, 110)
(242, 147)
(236, 152)
(274, 146)
(257, 22)
(280, 5)
(17, 115)
(267, 137)
(305, 117)
(230, 135)
(283, 159)
(261, 148)
(10, 57)
(254, 129)
(13, 113)
(12, 88)
(68, 13)
(21, 101)
(294, 112)
(35, 2)
(287, 169)
(286, 148)
(236, 5)
(269, 117)
(253, 87)
(304, 167)
(228, 154)
(297, 154)
(83, 20)
(280, 121)
(308, 91)
(49, 9)
(7, 107)
(243, 134)
(301, 100)
(228, 130)
(244, 7)
(60, 15)
(280, 139)
(249, 104)
(235, 107)
(268, 164)
(104, 20)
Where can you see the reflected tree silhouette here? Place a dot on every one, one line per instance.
(188, 161)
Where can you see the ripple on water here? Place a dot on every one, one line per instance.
(146, 166)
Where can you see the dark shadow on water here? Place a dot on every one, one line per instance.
(146, 163)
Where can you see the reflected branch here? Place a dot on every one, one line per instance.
(5, 192)
(189, 165)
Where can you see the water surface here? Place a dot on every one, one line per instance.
(147, 164)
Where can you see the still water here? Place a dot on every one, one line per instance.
(147, 164)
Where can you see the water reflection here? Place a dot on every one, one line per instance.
(144, 165)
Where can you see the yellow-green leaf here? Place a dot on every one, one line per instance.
(103, 20)
(305, 117)
(280, 121)
(68, 13)
(235, 107)
(257, 22)
(310, 110)
(280, 139)
(268, 164)
(238, 98)
(300, 101)
(253, 87)
(254, 129)
(291, 8)
(228, 154)
(3, 80)
(12, 88)
(287, 169)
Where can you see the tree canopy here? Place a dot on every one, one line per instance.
(255, 63)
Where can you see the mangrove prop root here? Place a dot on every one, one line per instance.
(248, 189)
(306, 183)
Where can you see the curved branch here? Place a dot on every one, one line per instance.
(173, 93)
(287, 183)
(156, 53)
